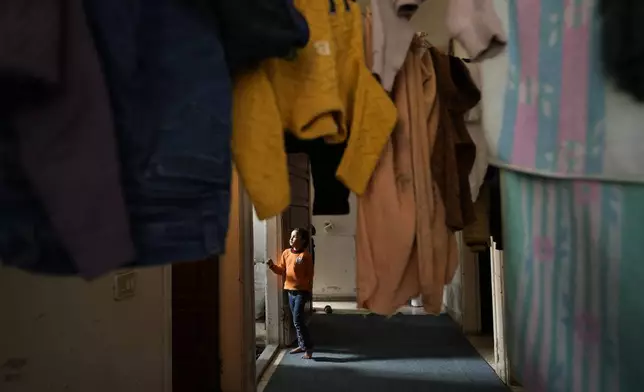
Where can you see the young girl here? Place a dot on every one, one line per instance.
(296, 266)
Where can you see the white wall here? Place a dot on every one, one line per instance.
(335, 255)
(259, 238)
(430, 19)
(259, 254)
(64, 334)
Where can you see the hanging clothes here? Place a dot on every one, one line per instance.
(454, 151)
(254, 30)
(171, 97)
(324, 92)
(391, 36)
(403, 246)
(474, 124)
(569, 146)
(61, 199)
(476, 25)
(557, 121)
(622, 47)
(331, 196)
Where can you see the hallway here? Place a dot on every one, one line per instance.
(373, 353)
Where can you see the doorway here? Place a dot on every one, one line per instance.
(273, 325)
(195, 326)
(260, 257)
(297, 215)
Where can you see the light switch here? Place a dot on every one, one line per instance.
(124, 285)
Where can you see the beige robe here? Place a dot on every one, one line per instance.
(403, 246)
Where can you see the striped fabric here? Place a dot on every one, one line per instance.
(573, 251)
(560, 117)
(574, 275)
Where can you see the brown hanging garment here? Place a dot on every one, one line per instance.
(403, 246)
(454, 152)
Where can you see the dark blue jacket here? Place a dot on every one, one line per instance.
(171, 97)
(170, 92)
(254, 30)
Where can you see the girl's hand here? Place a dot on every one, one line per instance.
(269, 263)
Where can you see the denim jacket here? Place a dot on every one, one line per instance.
(171, 97)
(170, 92)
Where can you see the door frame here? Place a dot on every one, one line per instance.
(498, 314)
(240, 369)
(237, 297)
(471, 298)
(276, 308)
(274, 302)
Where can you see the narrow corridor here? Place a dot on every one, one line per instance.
(371, 353)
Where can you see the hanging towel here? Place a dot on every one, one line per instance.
(391, 36)
(403, 246)
(475, 24)
(61, 199)
(454, 151)
(325, 92)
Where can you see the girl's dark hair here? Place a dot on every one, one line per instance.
(304, 236)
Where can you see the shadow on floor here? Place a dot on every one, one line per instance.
(349, 379)
(373, 353)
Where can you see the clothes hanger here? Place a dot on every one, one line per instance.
(420, 40)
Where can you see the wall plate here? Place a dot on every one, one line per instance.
(124, 285)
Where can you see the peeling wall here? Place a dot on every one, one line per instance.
(68, 335)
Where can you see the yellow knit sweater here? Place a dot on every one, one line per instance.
(326, 91)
